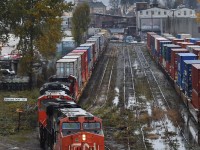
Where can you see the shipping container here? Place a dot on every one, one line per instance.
(149, 34)
(180, 64)
(95, 48)
(187, 39)
(66, 67)
(198, 43)
(190, 47)
(166, 35)
(91, 52)
(168, 51)
(83, 63)
(78, 57)
(185, 44)
(196, 51)
(66, 45)
(196, 77)
(194, 40)
(187, 76)
(183, 36)
(195, 99)
(98, 37)
(175, 40)
(85, 55)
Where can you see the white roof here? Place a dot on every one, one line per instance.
(66, 60)
(71, 57)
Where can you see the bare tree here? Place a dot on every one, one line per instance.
(114, 4)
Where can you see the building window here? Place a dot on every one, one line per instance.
(159, 13)
(140, 12)
(165, 13)
(190, 12)
(147, 12)
(199, 29)
(152, 12)
(185, 13)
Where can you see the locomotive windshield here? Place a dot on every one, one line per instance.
(91, 125)
(71, 126)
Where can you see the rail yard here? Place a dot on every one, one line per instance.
(138, 106)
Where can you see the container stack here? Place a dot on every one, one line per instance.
(187, 76)
(180, 63)
(174, 53)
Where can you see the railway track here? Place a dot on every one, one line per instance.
(105, 81)
(160, 102)
(130, 99)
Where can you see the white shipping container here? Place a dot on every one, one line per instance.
(78, 58)
(66, 67)
(190, 47)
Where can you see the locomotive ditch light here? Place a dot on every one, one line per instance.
(73, 118)
(89, 118)
(83, 137)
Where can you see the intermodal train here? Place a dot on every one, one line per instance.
(63, 124)
(179, 59)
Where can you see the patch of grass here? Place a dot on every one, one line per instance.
(157, 113)
(9, 116)
(174, 116)
(152, 136)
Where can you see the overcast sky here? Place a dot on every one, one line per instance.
(104, 1)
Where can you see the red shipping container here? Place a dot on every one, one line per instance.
(187, 39)
(196, 51)
(157, 42)
(174, 55)
(172, 73)
(184, 44)
(196, 77)
(85, 65)
(198, 43)
(149, 34)
(174, 41)
(160, 59)
(195, 99)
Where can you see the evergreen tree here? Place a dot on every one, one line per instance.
(80, 22)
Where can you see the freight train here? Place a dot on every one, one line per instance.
(64, 125)
(179, 58)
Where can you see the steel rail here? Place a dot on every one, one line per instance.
(152, 80)
(131, 89)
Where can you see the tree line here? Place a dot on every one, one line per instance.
(37, 23)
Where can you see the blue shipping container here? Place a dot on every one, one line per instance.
(168, 51)
(180, 58)
(187, 74)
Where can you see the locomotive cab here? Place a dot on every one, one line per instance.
(70, 127)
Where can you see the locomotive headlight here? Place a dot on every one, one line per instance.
(83, 137)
